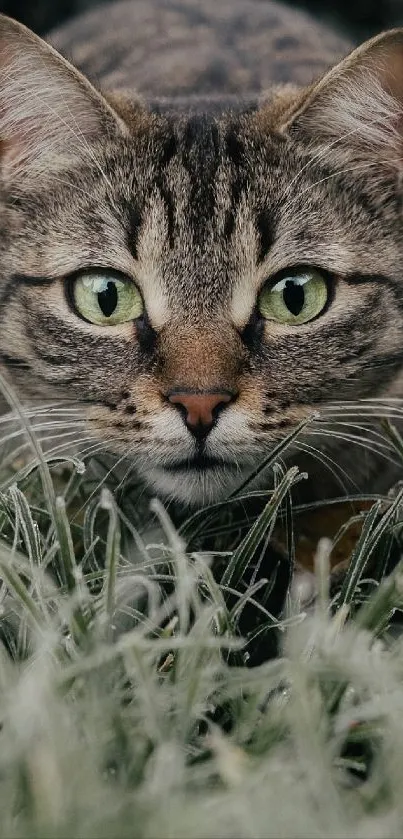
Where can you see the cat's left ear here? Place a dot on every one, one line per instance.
(49, 112)
(357, 107)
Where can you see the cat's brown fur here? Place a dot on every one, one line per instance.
(200, 200)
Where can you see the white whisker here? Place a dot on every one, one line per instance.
(358, 441)
(334, 468)
(371, 433)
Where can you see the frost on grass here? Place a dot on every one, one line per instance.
(126, 708)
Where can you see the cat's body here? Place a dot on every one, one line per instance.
(221, 212)
(206, 51)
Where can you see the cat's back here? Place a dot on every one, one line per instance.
(186, 47)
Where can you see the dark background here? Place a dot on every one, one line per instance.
(357, 18)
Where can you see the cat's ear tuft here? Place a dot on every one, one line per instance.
(49, 112)
(357, 107)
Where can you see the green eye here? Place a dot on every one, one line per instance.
(295, 299)
(104, 299)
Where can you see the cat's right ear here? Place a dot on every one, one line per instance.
(356, 109)
(49, 112)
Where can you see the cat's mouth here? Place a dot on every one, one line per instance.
(200, 462)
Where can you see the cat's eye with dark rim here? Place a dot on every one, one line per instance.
(294, 297)
(104, 297)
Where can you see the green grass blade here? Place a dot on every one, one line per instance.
(367, 542)
(112, 557)
(263, 526)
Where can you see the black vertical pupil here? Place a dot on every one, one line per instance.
(108, 299)
(294, 297)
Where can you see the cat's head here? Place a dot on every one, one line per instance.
(200, 284)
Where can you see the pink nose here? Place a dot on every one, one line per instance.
(200, 407)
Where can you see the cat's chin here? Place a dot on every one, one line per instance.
(193, 487)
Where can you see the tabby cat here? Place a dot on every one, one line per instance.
(210, 250)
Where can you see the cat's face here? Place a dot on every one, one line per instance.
(199, 285)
